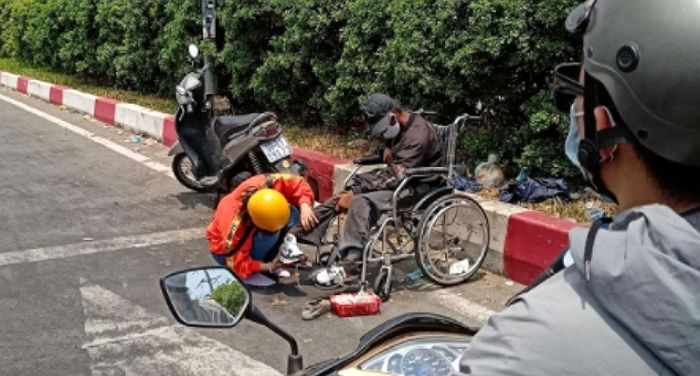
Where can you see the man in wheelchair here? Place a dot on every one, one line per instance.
(410, 142)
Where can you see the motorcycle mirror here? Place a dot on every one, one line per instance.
(193, 50)
(210, 297)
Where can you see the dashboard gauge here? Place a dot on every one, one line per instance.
(394, 366)
(425, 362)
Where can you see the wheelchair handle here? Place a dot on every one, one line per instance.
(461, 119)
(351, 176)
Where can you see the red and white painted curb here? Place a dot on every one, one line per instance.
(136, 118)
(523, 242)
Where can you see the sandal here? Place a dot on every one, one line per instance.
(315, 308)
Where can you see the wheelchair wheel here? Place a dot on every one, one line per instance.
(453, 239)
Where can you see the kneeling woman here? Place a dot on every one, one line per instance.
(250, 223)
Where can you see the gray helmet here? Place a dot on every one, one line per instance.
(646, 54)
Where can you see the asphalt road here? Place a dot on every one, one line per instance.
(89, 223)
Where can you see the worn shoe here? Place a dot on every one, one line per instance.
(331, 276)
(315, 308)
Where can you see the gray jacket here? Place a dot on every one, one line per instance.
(639, 314)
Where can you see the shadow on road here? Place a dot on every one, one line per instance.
(190, 200)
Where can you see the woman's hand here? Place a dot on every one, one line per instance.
(307, 216)
(270, 267)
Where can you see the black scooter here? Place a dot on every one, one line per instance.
(410, 344)
(215, 154)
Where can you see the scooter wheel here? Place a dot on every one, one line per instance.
(182, 169)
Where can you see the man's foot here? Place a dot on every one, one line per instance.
(290, 252)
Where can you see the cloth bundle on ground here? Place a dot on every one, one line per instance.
(534, 190)
(489, 174)
(467, 184)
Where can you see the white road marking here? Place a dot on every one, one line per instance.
(461, 305)
(125, 339)
(140, 158)
(108, 245)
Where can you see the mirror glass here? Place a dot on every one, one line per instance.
(193, 50)
(212, 297)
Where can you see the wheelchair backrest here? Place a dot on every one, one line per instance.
(447, 137)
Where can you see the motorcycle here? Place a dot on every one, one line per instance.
(410, 344)
(216, 153)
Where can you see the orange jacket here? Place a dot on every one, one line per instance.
(226, 228)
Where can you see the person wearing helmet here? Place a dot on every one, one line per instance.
(622, 299)
(250, 222)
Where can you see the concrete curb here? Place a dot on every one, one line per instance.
(523, 242)
(106, 110)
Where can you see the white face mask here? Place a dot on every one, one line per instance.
(393, 130)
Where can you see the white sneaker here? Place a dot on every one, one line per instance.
(289, 250)
(333, 275)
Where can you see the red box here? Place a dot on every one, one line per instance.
(359, 304)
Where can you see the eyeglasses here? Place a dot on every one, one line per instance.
(578, 20)
(566, 86)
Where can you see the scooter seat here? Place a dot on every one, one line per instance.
(229, 126)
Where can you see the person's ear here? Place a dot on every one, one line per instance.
(394, 118)
(602, 118)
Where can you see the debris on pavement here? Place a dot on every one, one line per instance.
(279, 300)
(359, 144)
(593, 212)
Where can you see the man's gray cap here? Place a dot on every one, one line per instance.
(377, 112)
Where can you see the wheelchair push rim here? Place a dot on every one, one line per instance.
(453, 239)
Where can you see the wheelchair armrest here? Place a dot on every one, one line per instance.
(368, 160)
(426, 171)
(410, 174)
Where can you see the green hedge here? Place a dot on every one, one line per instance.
(316, 59)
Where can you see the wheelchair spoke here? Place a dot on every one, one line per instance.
(453, 239)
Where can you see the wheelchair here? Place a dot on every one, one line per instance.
(445, 231)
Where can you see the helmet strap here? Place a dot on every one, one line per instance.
(589, 148)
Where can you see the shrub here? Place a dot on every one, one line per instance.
(317, 59)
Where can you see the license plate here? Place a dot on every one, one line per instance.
(276, 149)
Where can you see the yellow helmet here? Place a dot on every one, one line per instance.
(268, 209)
